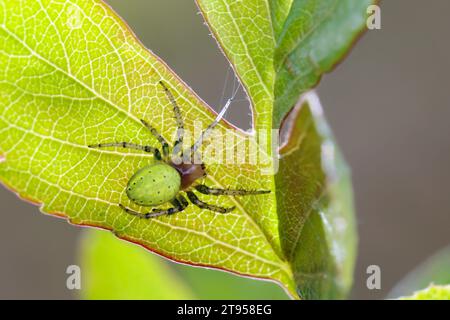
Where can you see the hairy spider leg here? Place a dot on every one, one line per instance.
(156, 134)
(159, 137)
(178, 144)
(127, 145)
(203, 205)
(179, 204)
(204, 135)
(228, 192)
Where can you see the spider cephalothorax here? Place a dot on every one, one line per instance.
(165, 180)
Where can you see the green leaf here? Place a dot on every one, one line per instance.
(315, 36)
(243, 30)
(431, 293)
(315, 205)
(434, 270)
(280, 48)
(114, 269)
(73, 74)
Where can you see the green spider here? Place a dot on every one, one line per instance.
(165, 180)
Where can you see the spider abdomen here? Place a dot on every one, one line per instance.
(154, 184)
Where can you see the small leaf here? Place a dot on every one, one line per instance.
(315, 205)
(114, 269)
(315, 36)
(434, 270)
(431, 293)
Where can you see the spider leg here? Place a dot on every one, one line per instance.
(178, 144)
(204, 135)
(159, 137)
(128, 145)
(228, 192)
(147, 215)
(193, 198)
(178, 205)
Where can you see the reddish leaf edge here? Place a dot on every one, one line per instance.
(63, 216)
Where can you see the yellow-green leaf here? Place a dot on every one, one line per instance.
(315, 205)
(115, 269)
(72, 74)
(433, 292)
(434, 269)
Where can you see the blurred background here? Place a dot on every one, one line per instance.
(388, 104)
